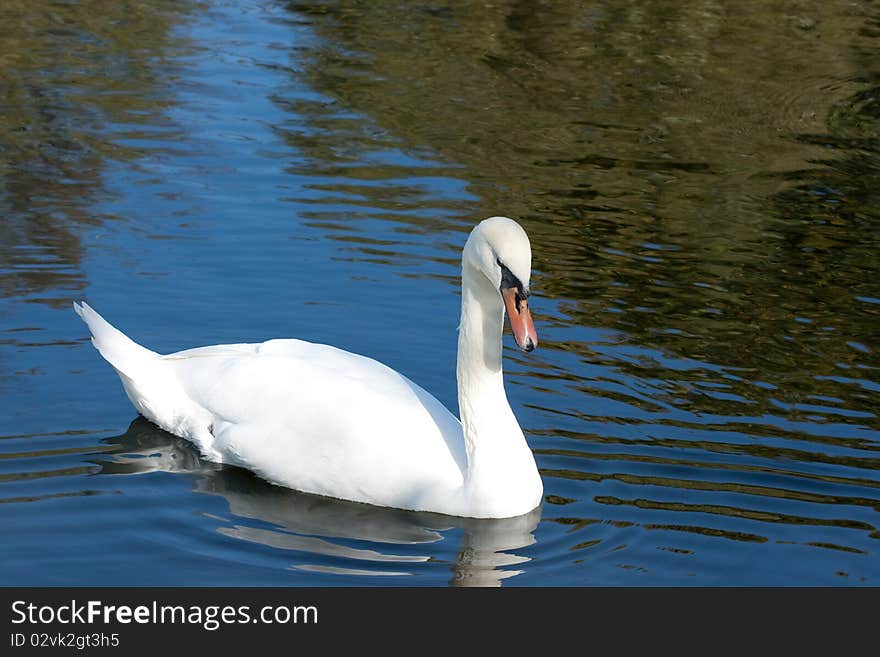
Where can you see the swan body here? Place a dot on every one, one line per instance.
(325, 421)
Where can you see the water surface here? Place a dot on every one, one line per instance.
(699, 183)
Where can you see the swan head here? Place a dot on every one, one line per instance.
(499, 249)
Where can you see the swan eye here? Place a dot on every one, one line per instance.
(510, 282)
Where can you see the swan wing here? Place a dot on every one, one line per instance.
(323, 420)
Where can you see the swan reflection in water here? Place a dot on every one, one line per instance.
(321, 525)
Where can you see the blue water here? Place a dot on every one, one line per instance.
(703, 216)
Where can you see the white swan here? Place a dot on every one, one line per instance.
(321, 420)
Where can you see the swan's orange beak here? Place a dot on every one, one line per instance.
(521, 323)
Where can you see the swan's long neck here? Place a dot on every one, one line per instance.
(494, 442)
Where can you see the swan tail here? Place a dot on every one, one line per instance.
(125, 355)
(150, 385)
